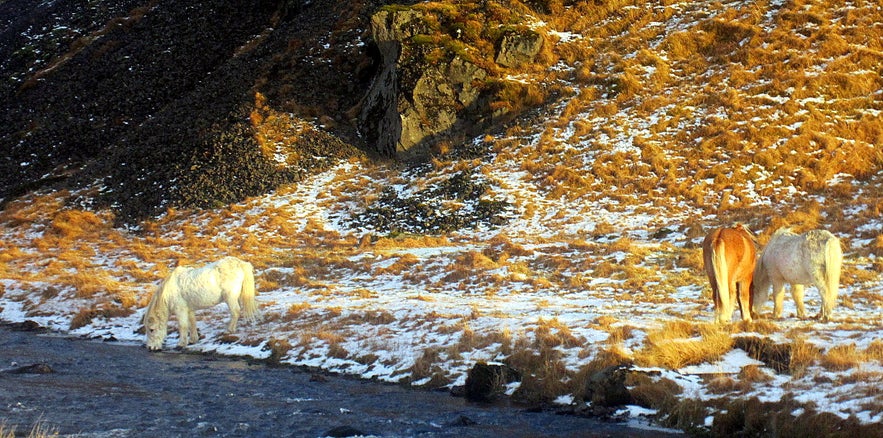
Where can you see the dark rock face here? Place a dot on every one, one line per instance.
(83, 103)
(441, 97)
(159, 104)
(411, 102)
(379, 119)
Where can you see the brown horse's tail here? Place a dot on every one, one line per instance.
(721, 277)
(247, 297)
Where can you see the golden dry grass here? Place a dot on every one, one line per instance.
(680, 343)
(874, 351)
(842, 357)
(39, 430)
(803, 355)
(755, 122)
(428, 365)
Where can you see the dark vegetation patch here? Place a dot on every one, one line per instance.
(787, 418)
(775, 356)
(454, 203)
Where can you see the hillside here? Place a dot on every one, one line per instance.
(559, 234)
(150, 104)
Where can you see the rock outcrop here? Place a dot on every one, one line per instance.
(412, 102)
(518, 48)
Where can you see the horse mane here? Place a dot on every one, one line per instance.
(158, 305)
(784, 231)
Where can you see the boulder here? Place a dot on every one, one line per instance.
(607, 388)
(27, 326)
(462, 421)
(486, 381)
(344, 431)
(519, 48)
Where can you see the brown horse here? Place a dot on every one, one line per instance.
(729, 255)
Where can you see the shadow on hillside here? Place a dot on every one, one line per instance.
(154, 102)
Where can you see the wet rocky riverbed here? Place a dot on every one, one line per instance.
(101, 389)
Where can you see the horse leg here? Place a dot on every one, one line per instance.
(183, 327)
(718, 302)
(744, 300)
(233, 305)
(733, 299)
(778, 298)
(797, 293)
(827, 303)
(194, 333)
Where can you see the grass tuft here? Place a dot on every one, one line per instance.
(39, 430)
(842, 357)
(676, 345)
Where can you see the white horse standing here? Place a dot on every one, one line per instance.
(813, 258)
(228, 280)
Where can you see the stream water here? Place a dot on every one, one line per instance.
(106, 389)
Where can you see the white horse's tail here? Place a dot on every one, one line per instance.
(721, 277)
(833, 265)
(247, 296)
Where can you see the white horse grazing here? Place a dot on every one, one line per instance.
(813, 258)
(228, 280)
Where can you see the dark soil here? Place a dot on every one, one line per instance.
(100, 389)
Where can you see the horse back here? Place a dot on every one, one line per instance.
(818, 240)
(798, 258)
(737, 243)
(737, 246)
(198, 287)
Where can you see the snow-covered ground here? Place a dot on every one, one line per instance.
(599, 262)
(375, 310)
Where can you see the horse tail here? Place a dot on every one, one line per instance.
(247, 296)
(721, 276)
(833, 264)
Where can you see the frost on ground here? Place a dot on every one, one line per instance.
(425, 309)
(566, 244)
